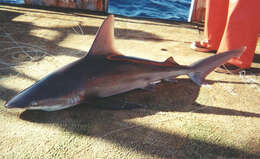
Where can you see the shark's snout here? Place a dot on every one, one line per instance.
(17, 102)
(22, 99)
(9, 105)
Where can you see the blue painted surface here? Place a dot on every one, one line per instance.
(162, 9)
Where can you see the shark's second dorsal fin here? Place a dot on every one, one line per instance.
(170, 61)
(104, 41)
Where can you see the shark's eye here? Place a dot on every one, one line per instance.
(34, 103)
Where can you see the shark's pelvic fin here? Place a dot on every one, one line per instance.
(104, 41)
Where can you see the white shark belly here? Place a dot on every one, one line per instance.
(50, 108)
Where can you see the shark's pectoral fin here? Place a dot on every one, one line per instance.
(104, 41)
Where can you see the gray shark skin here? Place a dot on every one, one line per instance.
(104, 72)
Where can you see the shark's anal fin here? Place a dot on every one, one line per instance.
(150, 88)
(104, 41)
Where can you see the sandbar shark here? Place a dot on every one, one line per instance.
(105, 72)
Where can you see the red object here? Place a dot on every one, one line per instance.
(231, 24)
(215, 21)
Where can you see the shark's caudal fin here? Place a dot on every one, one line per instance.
(203, 67)
(104, 41)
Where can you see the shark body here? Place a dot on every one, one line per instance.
(104, 72)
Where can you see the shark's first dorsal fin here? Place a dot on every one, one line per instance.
(104, 41)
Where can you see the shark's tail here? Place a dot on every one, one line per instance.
(203, 67)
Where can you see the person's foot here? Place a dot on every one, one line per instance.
(198, 46)
(228, 69)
